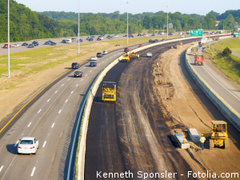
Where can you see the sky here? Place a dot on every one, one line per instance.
(201, 7)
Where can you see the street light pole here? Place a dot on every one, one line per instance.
(167, 21)
(8, 41)
(127, 23)
(78, 27)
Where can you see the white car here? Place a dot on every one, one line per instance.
(15, 45)
(28, 145)
(149, 54)
(105, 52)
(94, 58)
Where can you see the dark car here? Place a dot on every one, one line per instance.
(75, 65)
(52, 43)
(74, 39)
(151, 41)
(80, 40)
(78, 74)
(47, 43)
(35, 43)
(64, 41)
(31, 46)
(93, 64)
(170, 34)
(99, 54)
(24, 44)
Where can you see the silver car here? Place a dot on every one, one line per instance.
(28, 145)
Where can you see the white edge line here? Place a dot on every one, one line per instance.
(53, 125)
(33, 171)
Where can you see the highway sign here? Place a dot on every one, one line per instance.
(198, 32)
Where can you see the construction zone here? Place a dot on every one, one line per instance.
(128, 55)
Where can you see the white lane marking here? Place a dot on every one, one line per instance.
(86, 75)
(71, 92)
(16, 144)
(1, 168)
(69, 79)
(56, 92)
(221, 84)
(59, 111)
(39, 111)
(44, 144)
(77, 85)
(81, 79)
(48, 100)
(84, 67)
(66, 100)
(33, 171)
(53, 125)
(90, 70)
(29, 124)
(62, 84)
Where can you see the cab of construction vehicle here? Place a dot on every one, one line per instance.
(109, 91)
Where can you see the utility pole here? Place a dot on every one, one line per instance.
(78, 27)
(9, 75)
(167, 21)
(127, 22)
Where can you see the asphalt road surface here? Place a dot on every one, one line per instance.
(51, 120)
(115, 145)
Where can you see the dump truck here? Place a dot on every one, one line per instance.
(199, 59)
(194, 51)
(109, 90)
(219, 136)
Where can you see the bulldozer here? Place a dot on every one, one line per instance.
(219, 136)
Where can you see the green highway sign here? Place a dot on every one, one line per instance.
(198, 32)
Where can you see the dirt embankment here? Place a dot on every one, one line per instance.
(190, 108)
(158, 98)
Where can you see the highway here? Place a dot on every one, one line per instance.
(51, 119)
(225, 89)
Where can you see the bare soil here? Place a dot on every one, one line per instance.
(157, 99)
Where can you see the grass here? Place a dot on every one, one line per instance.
(229, 65)
(37, 60)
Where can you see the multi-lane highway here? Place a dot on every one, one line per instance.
(50, 119)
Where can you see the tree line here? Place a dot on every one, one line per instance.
(26, 24)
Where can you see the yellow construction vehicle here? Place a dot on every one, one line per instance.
(109, 90)
(125, 57)
(219, 136)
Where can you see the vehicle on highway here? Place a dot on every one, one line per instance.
(80, 40)
(52, 43)
(75, 65)
(74, 39)
(15, 45)
(105, 52)
(93, 64)
(35, 43)
(78, 74)
(170, 34)
(31, 46)
(24, 44)
(140, 45)
(6, 46)
(99, 54)
(28, 145)
(149, 54)
(126, 50)
(94, 58)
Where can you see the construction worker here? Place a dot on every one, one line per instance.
(202, 140)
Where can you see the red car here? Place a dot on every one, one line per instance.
(140, 45)
(126, 50)
(6, 46)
